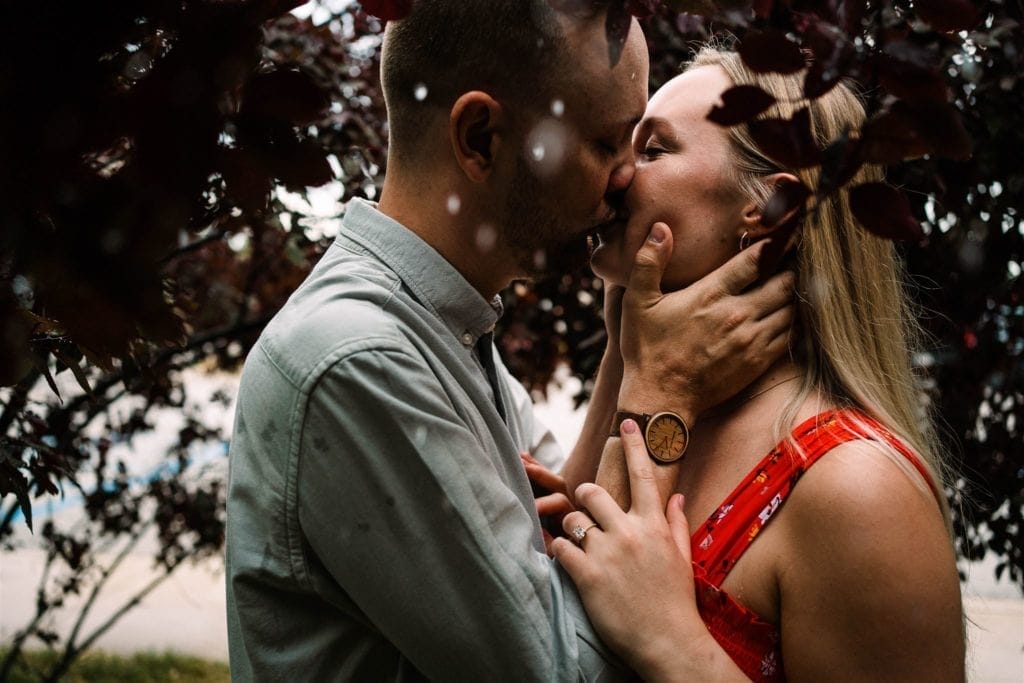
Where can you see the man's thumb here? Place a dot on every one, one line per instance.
(650, 263)
(678, 524)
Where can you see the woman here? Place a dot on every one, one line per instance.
(850, 575)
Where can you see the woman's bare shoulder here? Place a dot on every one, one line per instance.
(868, 561)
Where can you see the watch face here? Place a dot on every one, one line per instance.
(666, 437)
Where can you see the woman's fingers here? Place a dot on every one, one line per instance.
(643, 482)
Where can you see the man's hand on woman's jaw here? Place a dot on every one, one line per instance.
(689, 350)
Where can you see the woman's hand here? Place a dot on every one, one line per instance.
(634, 575)
(551, 498)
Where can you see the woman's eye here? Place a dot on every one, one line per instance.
(650, 151)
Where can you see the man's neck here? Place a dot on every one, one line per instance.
(453, 226)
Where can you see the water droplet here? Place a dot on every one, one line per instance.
(420, 92)
(540, 259)
(547, 145)
(454, 204)
(486, 237)
(557, 108)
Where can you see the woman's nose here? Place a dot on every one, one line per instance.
(621, 177)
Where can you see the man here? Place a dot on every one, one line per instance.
(380, 524)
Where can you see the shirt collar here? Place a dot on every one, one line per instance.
(433, 280)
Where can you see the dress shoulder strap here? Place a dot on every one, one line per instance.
(719, 542)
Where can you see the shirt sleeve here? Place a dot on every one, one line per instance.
(400, 505)
(543, 444)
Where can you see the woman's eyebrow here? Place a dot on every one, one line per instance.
(663, 127)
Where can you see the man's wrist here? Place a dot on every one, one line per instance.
(637, 397)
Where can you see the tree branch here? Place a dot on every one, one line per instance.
(104, 576)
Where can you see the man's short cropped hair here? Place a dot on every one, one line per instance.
(510, 49)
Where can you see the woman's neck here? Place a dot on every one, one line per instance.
(782, 378)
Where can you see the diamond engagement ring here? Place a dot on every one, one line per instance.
(579, 533)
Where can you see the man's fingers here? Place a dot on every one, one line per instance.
(649, 264)
(554, 504)
(741, 271)
(776, 293)
(544, 477)
(679, 525)
(774, 324)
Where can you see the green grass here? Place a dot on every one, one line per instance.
(102, 667)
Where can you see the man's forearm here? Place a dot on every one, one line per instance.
(613, 476)
(582, 465)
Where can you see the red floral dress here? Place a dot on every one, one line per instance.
(753, 643)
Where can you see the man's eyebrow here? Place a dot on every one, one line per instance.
(632, 122)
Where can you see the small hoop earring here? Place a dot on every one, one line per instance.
(744, 240)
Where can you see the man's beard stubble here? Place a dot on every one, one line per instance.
(532, 233)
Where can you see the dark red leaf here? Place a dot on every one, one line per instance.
(939, 125)
(740, 104)
(840, 162)
(285, 94)
(261, 11)
(245, 179)
(885, 211)
(777, 247)
(616, 27)
(788, 141)
(851, 14)
(388, 10)
(787, 197)
(302, 165)
(948, 15)
(763, 8)
(833, 54)
(909, 72)
(771, 50)
(889, 138)
(42, 363)
(643, 8)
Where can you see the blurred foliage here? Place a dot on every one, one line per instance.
(158, 206)
(101, 667)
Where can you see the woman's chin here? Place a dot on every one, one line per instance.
(607, 267)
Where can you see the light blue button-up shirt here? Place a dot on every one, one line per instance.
(380, 524)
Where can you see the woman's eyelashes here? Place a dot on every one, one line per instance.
(652, 150)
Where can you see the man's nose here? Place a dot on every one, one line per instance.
(621, 177)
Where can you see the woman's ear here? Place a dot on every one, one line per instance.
(476, 125)
(761, 221)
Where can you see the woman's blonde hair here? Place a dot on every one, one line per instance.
(857, 328)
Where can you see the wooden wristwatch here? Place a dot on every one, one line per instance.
(665, 433)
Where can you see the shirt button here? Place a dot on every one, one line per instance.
(467, 338)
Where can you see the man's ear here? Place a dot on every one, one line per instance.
(755, 222)
(476, 124)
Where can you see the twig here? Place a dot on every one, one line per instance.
(70, 654)
(104, 575)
